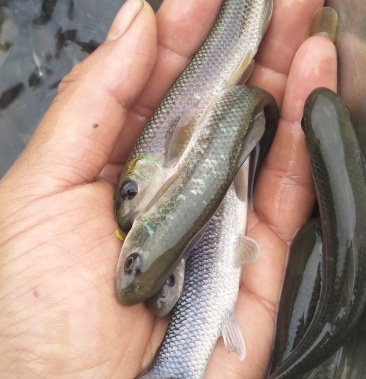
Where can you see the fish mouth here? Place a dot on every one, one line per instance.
(124, 222)
(130, 294)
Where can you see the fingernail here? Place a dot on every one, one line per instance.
(124, 19)
(324, 23)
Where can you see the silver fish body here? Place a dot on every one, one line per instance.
(167, 230)
(206, 306)
(226, 52)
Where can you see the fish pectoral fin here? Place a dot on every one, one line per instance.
(252, 138)
(241, 181)
(233, 337)
(162, 190)
(247, 250)
(180, 139)
(243, 70)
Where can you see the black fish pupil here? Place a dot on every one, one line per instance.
(171, 280)
(129, 190)
(131, 266)
(129, 263)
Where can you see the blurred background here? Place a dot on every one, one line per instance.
(41, 40)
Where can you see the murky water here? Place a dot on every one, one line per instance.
(40, 41)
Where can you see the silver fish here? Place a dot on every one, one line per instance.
(206, 309)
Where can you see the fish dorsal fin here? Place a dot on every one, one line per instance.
(171, 179)
(241, 181)
(242, 68)
(180, 138)
(247, 250)
(252, 138)
(267, 15)
(233, 337)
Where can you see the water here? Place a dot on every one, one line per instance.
(40, 41)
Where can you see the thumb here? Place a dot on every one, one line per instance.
(79, 131)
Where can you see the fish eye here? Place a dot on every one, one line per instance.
(129, 189)
(171, 280)
(133, 263)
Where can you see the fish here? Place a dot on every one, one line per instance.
(300, 292)
(176, 217)
(205, 310)
(338, 169)
(349, 361)
(224, 57)
(165, 299)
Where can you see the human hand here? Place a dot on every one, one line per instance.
(58, 253)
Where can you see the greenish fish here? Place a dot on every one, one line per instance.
(338, 168)
(176, 217)
(221, 61)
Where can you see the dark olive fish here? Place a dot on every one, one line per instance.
(300, 292)
(348, 362)
(339, 173)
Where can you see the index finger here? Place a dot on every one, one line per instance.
(289, 27)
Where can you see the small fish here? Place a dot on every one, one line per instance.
(338, 168)
(205, 310)
(175, 219)
(224, 57)
(164, 300)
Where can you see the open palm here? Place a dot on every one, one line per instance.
(58, 314)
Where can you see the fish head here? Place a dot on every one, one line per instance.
(164, 300)
(141, 269)
(142, 178)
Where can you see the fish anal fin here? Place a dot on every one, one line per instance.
(247, 250)
(233, 337)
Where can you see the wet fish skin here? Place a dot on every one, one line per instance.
(236, 33)
(163, 234)
(338, 169)
(300, 292)
(348, 362)
(208, 298)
